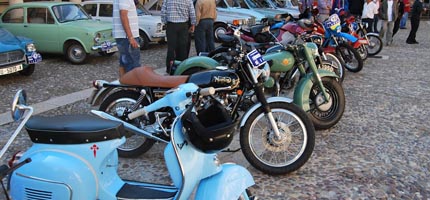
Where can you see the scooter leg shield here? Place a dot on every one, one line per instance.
(54, 176)
(303, 88)
(226, 185)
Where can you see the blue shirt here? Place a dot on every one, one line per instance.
(340, 4)
(305, 4)
(177, 11)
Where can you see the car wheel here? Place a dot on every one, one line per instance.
(219, 28)
(76, 53)
(28, 70)
(144, 41)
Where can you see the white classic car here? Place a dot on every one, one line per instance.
(224, 17)
(150, 27)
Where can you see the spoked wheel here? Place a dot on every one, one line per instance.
(375, 44)
(333, 64)
(325, 114)
(353, 60)
(278, 155)
(118, 104)
(362, 50)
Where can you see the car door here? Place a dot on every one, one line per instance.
(105, 12)
(43, 29)
(13, 21)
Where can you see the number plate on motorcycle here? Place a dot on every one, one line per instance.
(255, 58)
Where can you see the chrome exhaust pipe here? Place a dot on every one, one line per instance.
(128, 126)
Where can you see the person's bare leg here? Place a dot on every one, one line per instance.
(121, 71)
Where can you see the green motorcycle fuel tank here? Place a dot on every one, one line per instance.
(282, 61)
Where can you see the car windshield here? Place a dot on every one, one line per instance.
(255, 4)
(69, 12)
(141, 10)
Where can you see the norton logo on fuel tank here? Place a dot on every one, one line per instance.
(224, 80)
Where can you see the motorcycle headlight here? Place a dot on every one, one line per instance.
(313, 49)
(31, 47)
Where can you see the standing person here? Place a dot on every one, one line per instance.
(356, 7)
(399, 17)
(305, 7)
(180, 19)
(406, 10)
(388, 12)
(339, 4)
(376, 17)
(204, 34)
(324, 8)
(417, 8)
(126, 34)
(370, 9)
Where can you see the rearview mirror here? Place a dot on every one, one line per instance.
(19, 99)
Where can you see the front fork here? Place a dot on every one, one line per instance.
(266, 108)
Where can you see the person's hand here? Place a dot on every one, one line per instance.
(133, 43)
(191, 29)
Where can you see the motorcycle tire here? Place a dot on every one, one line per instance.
(116, 104)
(375, 45)
(263, 151)
(325, 116)
(333, 64)
(353, 60)
(362, 50)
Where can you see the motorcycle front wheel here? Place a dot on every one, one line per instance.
(118, 104)
(282, 155)
(351, 57)
(333, 64)
(325, 114)
(375, 44)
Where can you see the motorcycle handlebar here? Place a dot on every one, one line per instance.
(140, 112)
(207, 91)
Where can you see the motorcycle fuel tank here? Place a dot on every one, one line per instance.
(281, 60)
(215, 78)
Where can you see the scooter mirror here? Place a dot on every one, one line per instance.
(19, 99)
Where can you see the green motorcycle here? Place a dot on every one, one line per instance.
(316, 91)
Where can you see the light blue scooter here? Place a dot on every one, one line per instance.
(75, 157)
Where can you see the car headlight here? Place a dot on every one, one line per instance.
(31, 47)
(97, 37)
(159, 27)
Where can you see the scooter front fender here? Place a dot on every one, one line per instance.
(303, 88)
(196, 62)
(228, 184)
(258, 105)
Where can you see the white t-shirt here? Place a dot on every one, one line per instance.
(390, 10)
(369, 10)
(118, 29)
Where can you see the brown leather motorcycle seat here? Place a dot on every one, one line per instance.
(145, 76)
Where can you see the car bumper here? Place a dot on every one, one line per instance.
(108, 47)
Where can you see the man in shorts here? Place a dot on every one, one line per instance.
(126, 34)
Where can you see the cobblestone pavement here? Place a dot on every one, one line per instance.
(378, 150)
